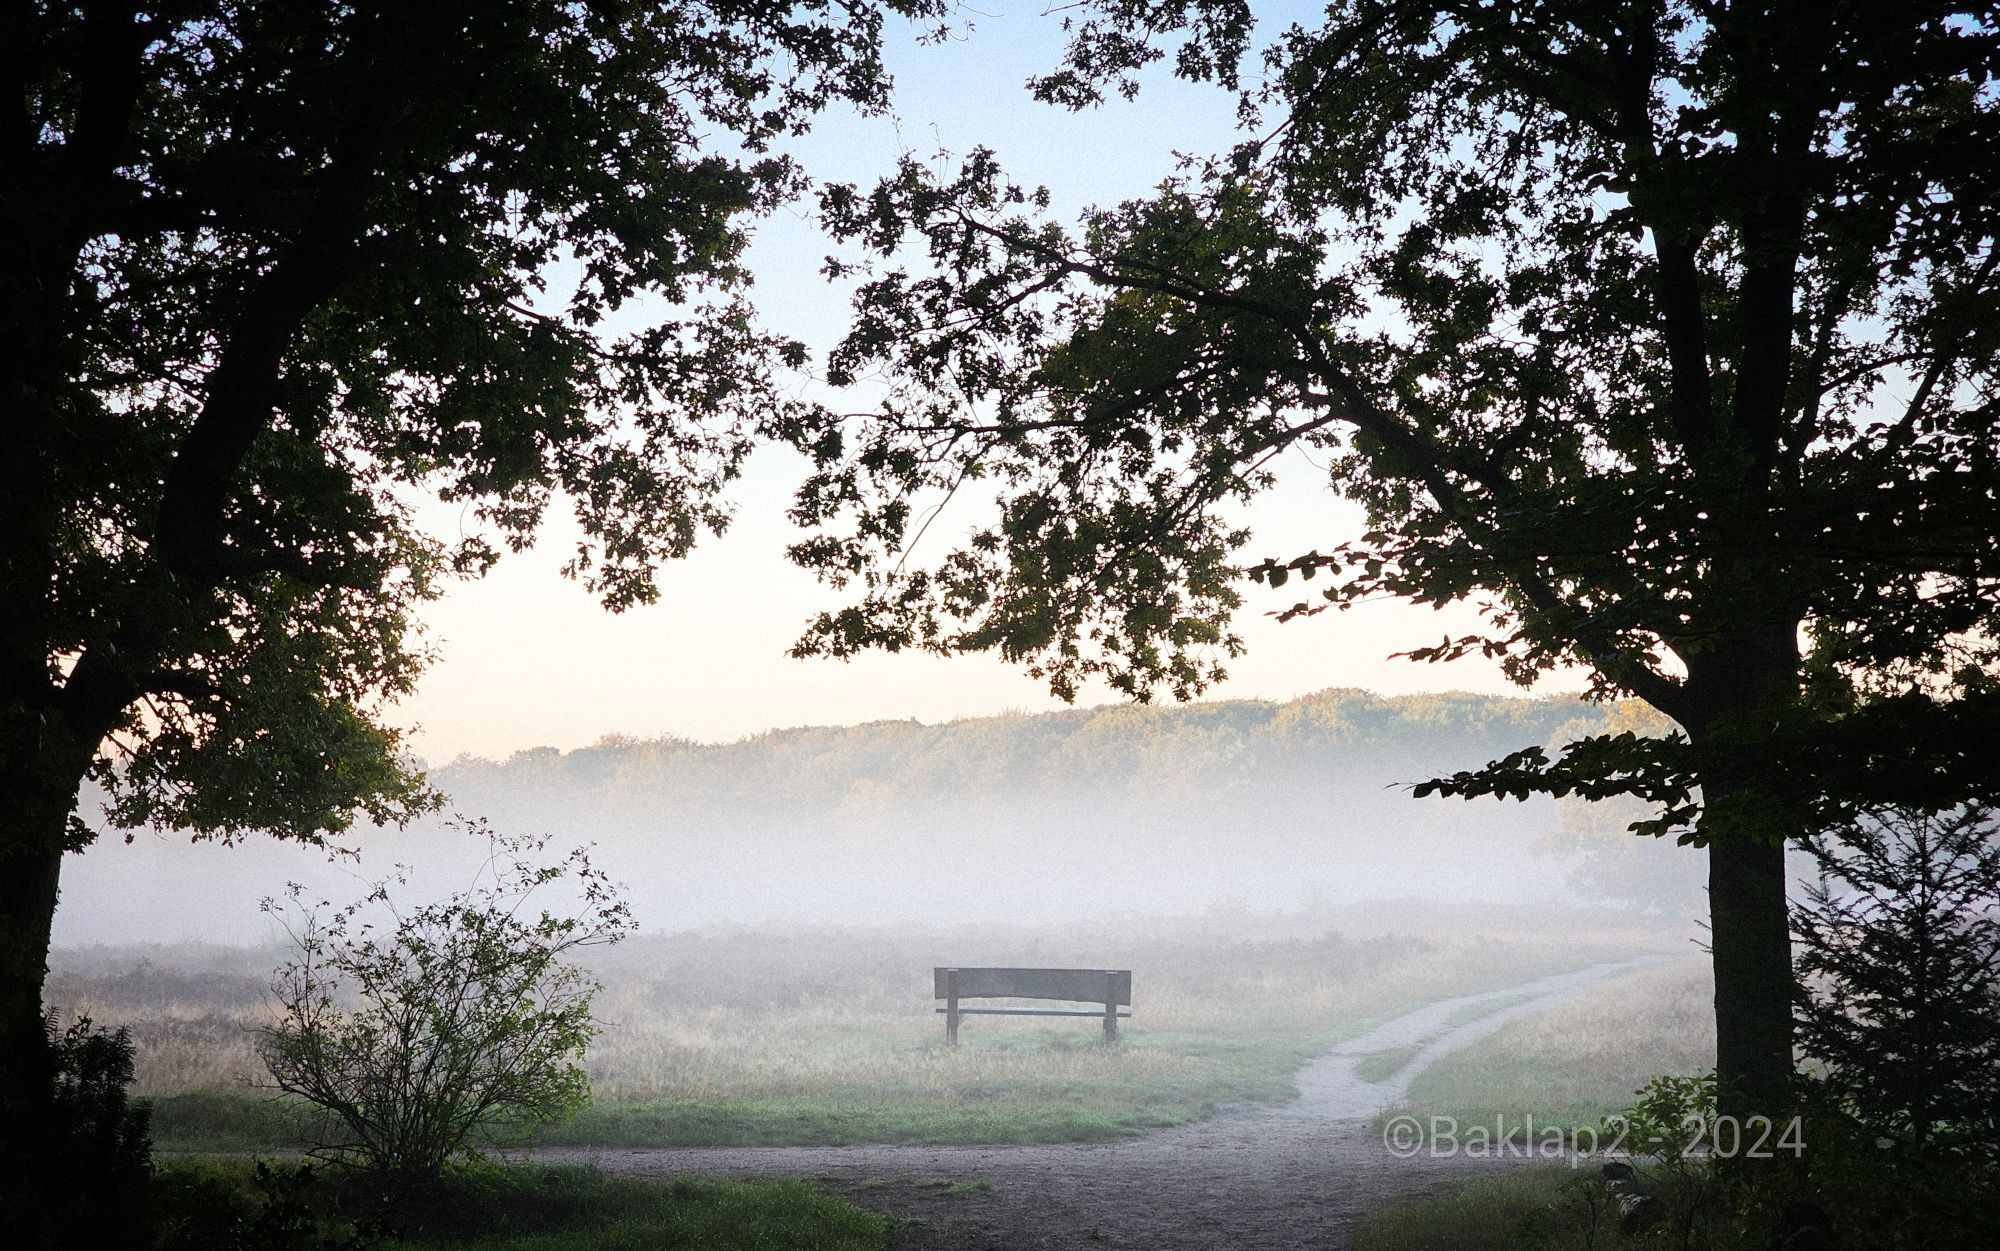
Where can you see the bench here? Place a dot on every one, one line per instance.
(1110, 987)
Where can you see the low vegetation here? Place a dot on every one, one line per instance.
(827, 1036)
(1578, 1062)
(1380, 1066)
(1889, 1143)
(424, 1033)
(1489, 1213)
(211, 1204)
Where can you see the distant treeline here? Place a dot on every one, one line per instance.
(1122, 758)
(1060, 816)
(1237, 802)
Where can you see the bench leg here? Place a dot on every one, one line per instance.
(1110, 1009)
(951, 1009)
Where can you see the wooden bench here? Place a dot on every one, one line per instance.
(1110, 987)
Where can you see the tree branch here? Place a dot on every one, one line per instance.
(1904, 431)
(243, 391)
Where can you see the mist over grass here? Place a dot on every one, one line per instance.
(827, 1034)
(1057, 818)
(1260, 867)
(1578, 1062)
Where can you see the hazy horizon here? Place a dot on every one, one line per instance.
(1046, 817)
(1056, 708)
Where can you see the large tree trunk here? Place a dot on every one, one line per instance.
(1750, 938)
(32, 828)
(1733, 686)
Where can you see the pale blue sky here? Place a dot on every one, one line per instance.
(526, 658)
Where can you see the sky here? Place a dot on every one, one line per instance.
(526, 658)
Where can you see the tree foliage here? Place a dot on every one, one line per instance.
(1899, 963)
(99, 1153)
(281, 270)
(420, 1032)
(281, 275)
(1661, 332)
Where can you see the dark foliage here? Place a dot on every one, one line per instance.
(1830, 1183)
(1899, 962)
(1872, 1193)
(1665, 334)
(281, 1208)
(92, 1172)
(276, 273)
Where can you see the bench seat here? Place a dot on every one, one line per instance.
(1110, 987)
(1027, 1012)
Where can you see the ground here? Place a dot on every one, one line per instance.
(1296, 1175)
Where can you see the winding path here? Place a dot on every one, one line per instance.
(1258, 1178)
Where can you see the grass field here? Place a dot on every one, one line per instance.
(1579, 1062)
(215, 1202)
(1571, 1066)
(1378, 1066)
(827, 1036)
(1501, 1212)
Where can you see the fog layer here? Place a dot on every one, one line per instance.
(1241, 804)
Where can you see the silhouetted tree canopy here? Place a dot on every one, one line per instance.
(1662, 332)
(277, 275)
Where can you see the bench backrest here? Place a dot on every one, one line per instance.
(1072, 985)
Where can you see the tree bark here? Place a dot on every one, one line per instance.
(1750, 941)
(32, 836)
(1748, 678)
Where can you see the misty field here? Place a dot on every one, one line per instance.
(828, 1035)
(1579, 1061)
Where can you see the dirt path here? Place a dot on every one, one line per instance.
(1256, 1178)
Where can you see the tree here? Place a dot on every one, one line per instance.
(1663, 332)
(1608, 867)
(418, 1032)
(277, 273)
(1899, 964)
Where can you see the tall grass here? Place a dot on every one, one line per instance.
(1580, 1061)
(1505, 1212)
(831, 1037)
(828, 1035)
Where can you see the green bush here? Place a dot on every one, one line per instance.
(425, 1032)
(89, 1186)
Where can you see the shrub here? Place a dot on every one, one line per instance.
(275, 1207)
(95, 1162)
(1673, 1192)
(429, 1033)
